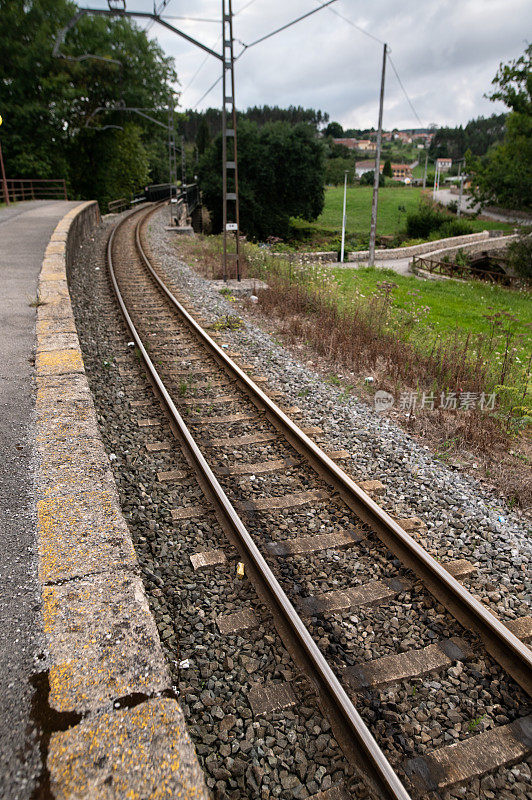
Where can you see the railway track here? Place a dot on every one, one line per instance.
(288, 507)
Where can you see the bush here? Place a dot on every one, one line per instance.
(421, 223)
(520, 255)
(455, 227)
(367, 178)
(429, 219)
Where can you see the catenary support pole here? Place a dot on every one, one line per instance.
(376, 176)
(229, 142)
(343, 219)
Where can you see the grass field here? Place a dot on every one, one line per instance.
(394, 204)
(451, 305)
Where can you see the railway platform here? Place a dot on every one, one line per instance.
(87, 703)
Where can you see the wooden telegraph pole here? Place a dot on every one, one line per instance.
(376, 176)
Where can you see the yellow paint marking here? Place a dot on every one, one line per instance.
(58, 361)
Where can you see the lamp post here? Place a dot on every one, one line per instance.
(343, 218)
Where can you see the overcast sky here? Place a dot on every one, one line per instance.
(446, 53)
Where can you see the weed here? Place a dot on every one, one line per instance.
(182, 388)
(36, 302)
(474, 723)
(304, 392)
(228, 323)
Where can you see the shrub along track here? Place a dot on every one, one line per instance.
(285, 488)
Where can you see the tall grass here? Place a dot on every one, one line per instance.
(372, 334)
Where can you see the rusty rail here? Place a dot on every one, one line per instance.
(504, 646)
(364, 749)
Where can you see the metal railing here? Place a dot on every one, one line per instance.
(116, 206)
(35, 189)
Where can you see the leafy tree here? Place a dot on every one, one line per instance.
(367, 178)
(259, 114)
(47, 102)
(335, 130)
(280, 174)
(519, 255)
(203, 136)
(504, 176)
(335, 169)
(387, 169)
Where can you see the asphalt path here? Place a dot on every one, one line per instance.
(25, 229)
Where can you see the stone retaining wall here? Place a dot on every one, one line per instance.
(488, 246)
(125, 733)
(331, 256)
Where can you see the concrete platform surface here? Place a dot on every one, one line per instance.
(25, 230)
(76, 624)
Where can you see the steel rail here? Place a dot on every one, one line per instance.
(375, 767)
(507, 649)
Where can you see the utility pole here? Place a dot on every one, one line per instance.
(230, 188)
(374, 205)
(425, 173)
(343, 219)
(436, 180)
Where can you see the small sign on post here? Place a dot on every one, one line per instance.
(231, 226)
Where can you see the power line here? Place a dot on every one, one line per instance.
(353, 24)
(191, 81)
(289, 24)
(191, 19)
(404, 91)
(262, 38)
(376, 39)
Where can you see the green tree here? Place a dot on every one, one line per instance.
(504, 175)
(335, 130)
(47, 102)
(367, 178)
(387, 169)
(203, 136)
(280, 174)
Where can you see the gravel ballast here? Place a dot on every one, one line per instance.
(185, 603)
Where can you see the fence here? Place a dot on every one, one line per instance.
(466, 271)
(35, 189)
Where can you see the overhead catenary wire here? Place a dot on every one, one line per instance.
(289, 24)
(246, 47)
(353, 24)
(404, 91)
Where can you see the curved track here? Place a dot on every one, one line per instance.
(513, 655)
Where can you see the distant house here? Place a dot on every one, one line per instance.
(444, 164)
(365, 144)
(350, 143)
(366, 166)
(401, 172)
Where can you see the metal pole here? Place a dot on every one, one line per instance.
(374, 204)
(228, 65)
(425, 173)
(224, 149)
(4, 181)
(343, 219)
